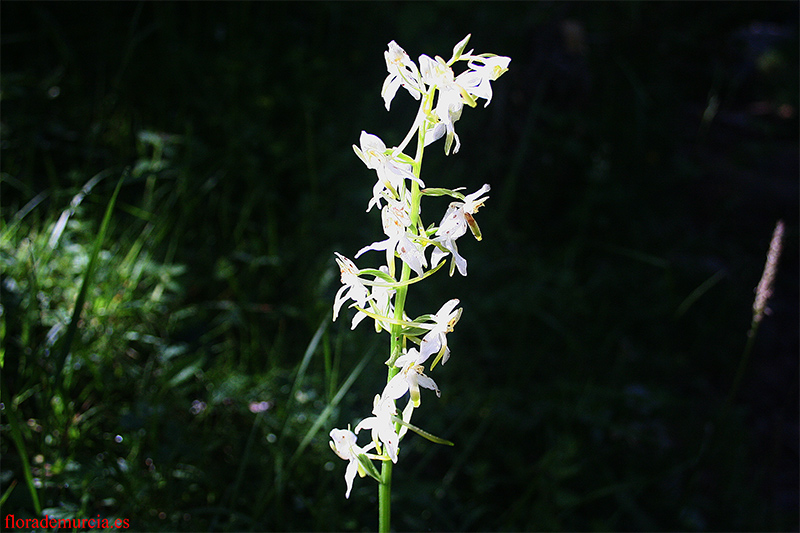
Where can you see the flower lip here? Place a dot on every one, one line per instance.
(391, 169)
(382, 427)
(435, 341)
(352, 287)
(402, 73)
(454, 224)
(409, 379)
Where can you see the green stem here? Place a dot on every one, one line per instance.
(385, 486)
(737, 380)
(384, 498)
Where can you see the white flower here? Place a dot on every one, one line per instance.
(454, 225)
(409, 379)
(435, 341)
(402, 71)
(391, 172)
(352, 288)
(343, 442)
(448, 109)
(436, 73)
(455, 91)
(396, 220)
(381, 304)
(483, 70)
(382, 426)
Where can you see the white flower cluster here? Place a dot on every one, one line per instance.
(397, 193)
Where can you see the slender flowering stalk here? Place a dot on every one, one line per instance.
(380, 294)
(764, 289)
(763, 294)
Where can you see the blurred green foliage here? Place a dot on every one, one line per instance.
(639, 156)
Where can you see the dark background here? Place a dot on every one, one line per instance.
(640, 155)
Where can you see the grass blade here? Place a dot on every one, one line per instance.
(326, 413)
(698, 292)
(87, 278)
(19, 443)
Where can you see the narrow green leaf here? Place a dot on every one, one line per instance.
(435, 191)
(389, 319)
(326, 413)
(8, 231)
(377, 273)
(400, 156)
(19, 444)
(398, 284)
(310, 349)
(421, 432)
(698, 292)
(7, 493)
(368, 467)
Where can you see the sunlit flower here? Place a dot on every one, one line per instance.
(391, 172)
(352, 288)
(396, 220)
(382, 426)
(409, 379)
(343, 442)
(380, 297)
(454, 225)
(482, 71)
(402, 72)
(436, 73)
(455, 91)
(435, 341)
(448, 109)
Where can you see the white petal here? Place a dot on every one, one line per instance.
(472, 202)
(338, 301)
(377, 246)
(461, 263)
(437, 256)
(359, 294)
(411, 255)
(390, 440)
(447, 308)
(343, 441)
(357, 318)
(454, 223)
(435, 133)
(389, 90)
(350, 475)
(407, 359)
(408, 410)
(427, 67)
(367, 423)
(428, 383)
(431, 343)
(371, 142)
(446, 355)
(396, 387)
